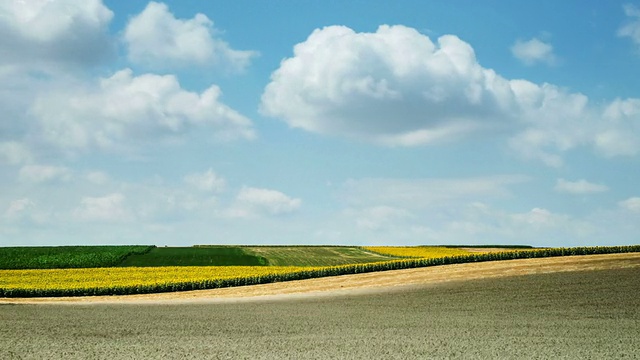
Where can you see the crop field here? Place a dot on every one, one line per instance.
(428, 252)
(579, 315)
(195, 256)
(149, 279)
(316, 255)
(60, 257)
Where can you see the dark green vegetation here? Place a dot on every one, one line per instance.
(195, 256)
(315, 255)
(568, 315)
(318, 272)
(61, 257)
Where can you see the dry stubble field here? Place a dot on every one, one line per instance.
(572, 307)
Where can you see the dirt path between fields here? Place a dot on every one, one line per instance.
(361, 283)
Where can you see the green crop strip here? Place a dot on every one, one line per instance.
(63, 257)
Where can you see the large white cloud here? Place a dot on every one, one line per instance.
(534, 51)
(125, 109)
(44, 32)
(157, 38)
(394, 87)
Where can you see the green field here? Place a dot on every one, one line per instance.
(315, 255)
(195, 256)
(62, 257)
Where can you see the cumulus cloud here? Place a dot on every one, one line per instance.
(108, 208)
(631, 204)
(632, 28)
(157, 38)
(43, 32)
(43, 173)
(207, 181)
(397, 87)
(579, 187)
(393, 87)
(252, 201)
(534, 51)
(125, 109)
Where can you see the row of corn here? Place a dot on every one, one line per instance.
(132, 280)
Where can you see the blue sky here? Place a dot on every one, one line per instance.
(288, 122)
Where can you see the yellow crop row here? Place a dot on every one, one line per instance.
(70, 279)
(429, 252)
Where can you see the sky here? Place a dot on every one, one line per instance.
(319, 122)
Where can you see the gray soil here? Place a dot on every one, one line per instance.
(591, 314)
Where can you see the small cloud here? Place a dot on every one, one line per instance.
(43, 173)
(157, 38)
(109, 208)
(98, 177)
(378, 218)
(13, 153)
(631, 204)
(579, 187)
(18, 207)
(207, 181)
(534, 51)
(632, 28)
(252, 202)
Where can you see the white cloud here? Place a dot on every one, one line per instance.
(632, 28)
(98, 177)
(44, 32)
(43, 173)
(157, 38)
(631, 204)
(425, 193)
(109, 208)
(620, 135)
(378, 218)
(124, 110)
(13, 152)
(396, 87)
(207, 181)
(18, 207)
(392, 87)
(256, 202)
(579, 187)
(534, 51)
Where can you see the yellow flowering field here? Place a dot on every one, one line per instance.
(122, 277)
(429, 252)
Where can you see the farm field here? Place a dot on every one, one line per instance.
(316, 255)
(195, 256)
(147, 278)
(60, 257)
(575, 313)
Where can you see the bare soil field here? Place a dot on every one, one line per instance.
(572, 307)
